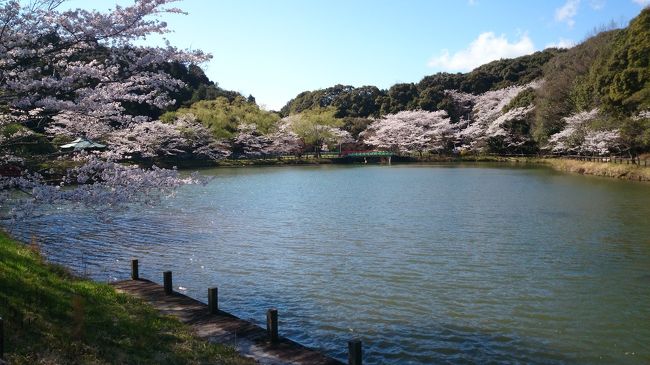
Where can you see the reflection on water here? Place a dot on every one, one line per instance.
(427, 264)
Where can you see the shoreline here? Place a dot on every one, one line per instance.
(603, 169)
(53, 316)
(218, 326)
(73, 316)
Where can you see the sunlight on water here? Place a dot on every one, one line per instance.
(427, 264)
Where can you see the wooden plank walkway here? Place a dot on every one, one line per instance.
(249, 339)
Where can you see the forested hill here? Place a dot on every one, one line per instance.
(428, 94)
(197, 87)
(593, 98)
(608, 75)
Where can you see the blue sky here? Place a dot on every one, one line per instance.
(274, 49)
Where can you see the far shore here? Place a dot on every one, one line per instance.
(623, 170)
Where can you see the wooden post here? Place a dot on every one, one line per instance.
(135, 271)
(354, 352)
(213, 300)
(272, 324)
(2, 338)
(167, 279)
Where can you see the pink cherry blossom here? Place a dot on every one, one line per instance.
(75, 73)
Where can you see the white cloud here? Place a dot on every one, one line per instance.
(567, 12)
(562, 43)
(598, 4)
(487, 47)
(642, 2)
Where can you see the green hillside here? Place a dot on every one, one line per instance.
(609, 71)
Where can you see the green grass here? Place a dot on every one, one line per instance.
(53, 317)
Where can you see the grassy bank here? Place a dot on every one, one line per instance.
(618, 171)
(453, 158)
(605, 169)
(53, 317)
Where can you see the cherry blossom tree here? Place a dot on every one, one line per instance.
(250, 143)
(98, 183)
(644, 114)
(570, 139)
(284, 141)
(182, 137)
(576, 137)
(504, 133)
(80, 67)
(78, 72)
(411, 131)
(602, 143)
(336, 138)
(485, 125)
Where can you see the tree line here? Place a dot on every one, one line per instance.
(609, 71)
(73, 73)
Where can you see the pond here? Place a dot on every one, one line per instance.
(450, 263)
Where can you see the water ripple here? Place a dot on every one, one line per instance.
(426, 264)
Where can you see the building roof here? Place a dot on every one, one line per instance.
(82, 144)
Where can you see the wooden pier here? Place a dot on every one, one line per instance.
(214, 325)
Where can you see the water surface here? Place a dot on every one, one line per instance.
(426, 264)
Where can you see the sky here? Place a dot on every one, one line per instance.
(275, 49)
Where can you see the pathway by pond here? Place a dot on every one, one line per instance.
(427, 264)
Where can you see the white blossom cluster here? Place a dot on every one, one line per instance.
(411, 131)
(284, 141)
(74, 73)
(80, 66)
(482, 122)
(486, 120)
(577, 138)
(602, 143)
(183, 136)
(96, 183)
(252, 144)
(644, 114)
